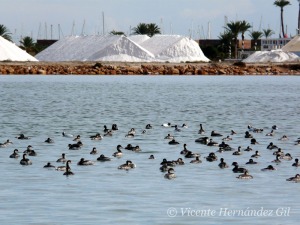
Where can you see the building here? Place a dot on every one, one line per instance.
(273, 43)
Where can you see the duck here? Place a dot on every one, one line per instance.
(136, 149)
(164, 168)
(277, 160)
(238, 169)
(215, 134)
(248, 135)
(177, 129)
(49, 165)
(103, 158)
(179, 161)
(271, 146)
(173, 142)
(67, 135)
(105, 130)
(253, 141)
(49, 140)
(62, 159)
(212, 143)
(118, 153)
(114, 127)
(144, 132)
(14, 154)
(256, 155)
(246, 175)
(170, 175)
(130, 135)
(148, 126)
(129, 147)
(108, 133)
(169, 136)
(272, 133)
(5, 144)
(238, 152)
(77, 138)
(228, 138)
(278, 152)
(274, 127)
(94, 151)
(223, 164)
(166, 125)
(184, 126)
(283, 138)
(190, 154)
(151, 157)
(127, 166)
(296, 163)
(201, 130)
(131, 131)
(248, 149)
(168, 163)
(29, 151)
(22, 137)
(68, 169)
(287, 156)
(223, 145)
(76, 146)
(84, 162)
(233, 132)
(268, 168)
(24, 161)
(97, 137)
(211, 157)
(197, 160)
(221, 150)
(296, 178)
(202, 140)
(251, 162)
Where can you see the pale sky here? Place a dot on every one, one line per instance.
(184, 17)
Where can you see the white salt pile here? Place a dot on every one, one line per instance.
(137, 48)
(293, 46)
(272, 56)
(10, 52)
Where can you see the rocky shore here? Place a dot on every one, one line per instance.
(117, 68)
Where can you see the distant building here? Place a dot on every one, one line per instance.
(45, 42)
(273, 43)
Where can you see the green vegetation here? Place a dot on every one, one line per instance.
(5, 33)
(149, 29)
(282, 4)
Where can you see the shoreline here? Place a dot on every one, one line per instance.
(147, 68)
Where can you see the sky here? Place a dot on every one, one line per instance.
(53, 19)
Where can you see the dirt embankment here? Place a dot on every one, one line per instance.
(116, 68)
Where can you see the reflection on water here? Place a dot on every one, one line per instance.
(42, 107)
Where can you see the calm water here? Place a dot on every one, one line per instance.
(44, 106)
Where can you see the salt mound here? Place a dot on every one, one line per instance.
(174, 48)
(272, 56)
(137, 48)
(10, 52)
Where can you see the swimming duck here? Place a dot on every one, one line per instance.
(14, 154)
(228, 138)
(238, 152)
(211, 157)
(283, 138)
(248, 149)
(105, 130)
(269, 168)
(233, 132)
(201, 130)
(151, 157)
(129, 147)
(296, 163)
(170, 175)
(278, 152)
(190, 154)
(251, 162)
(168, 163)
(84, 162)
(238, 169)
(215, 134)
(77, 138)
(271, 146)
(67, 135)
(144, 132)
(103, 158)
(173, 142)
(197, 160)
(221, 150)
(274, 127)
(5, 144)
(108, 133)
(148, 126)
(177, 129)
(49, 140)
(130, 135)
(184, 126)
(131, 131)
(256, 155)
(212, 143)
(287, 156)
(185, 150)
(248, 135)
(94, 151)
(127, 166)
(166, 125)
(29, 151)
(96, 137)
(223, 145)
(223, 164)
(68, 169)
(179, 161)
(296, 178)
(246, 175)
(202, 140)
(76, 146)
(136, 149)
(119, 153)
(253, 141)
(114, 127)
(22, 137)
(277, 160)
(62, 159)
(164, 168)
(24, 161)
(271, 133)
(169, 136)
(49, 165)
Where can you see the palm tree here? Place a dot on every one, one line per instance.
(4, 32)
(245, 26)
(235, 29)
(255, 36)
(282, 4)
(28, 44)
(225, 42)
(148, 29)
(113, 32)
(268, 33)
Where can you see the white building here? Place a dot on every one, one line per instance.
(273, 43)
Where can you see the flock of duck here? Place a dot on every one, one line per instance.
(167, 166)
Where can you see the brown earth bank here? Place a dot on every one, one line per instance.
(123, 68)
